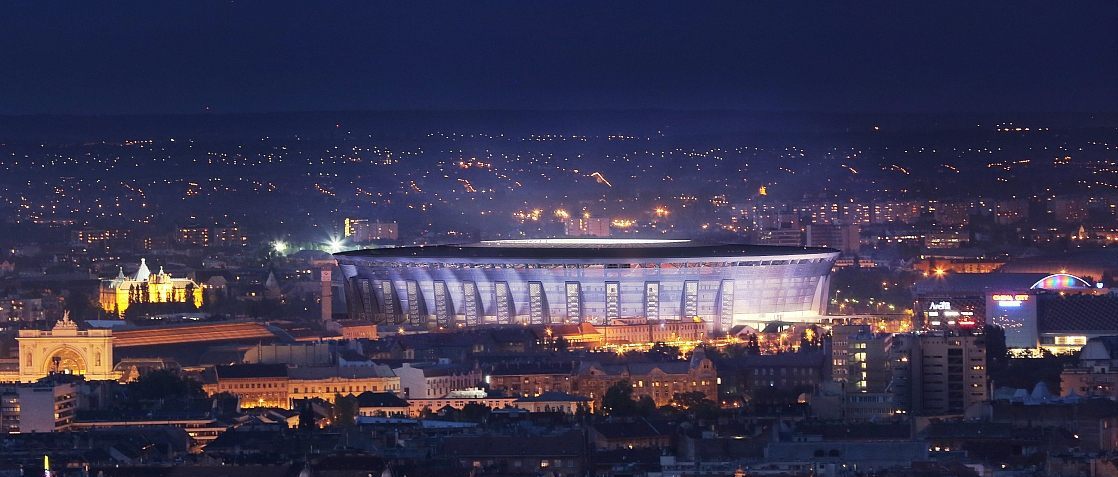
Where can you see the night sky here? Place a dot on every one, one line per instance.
(896, 56)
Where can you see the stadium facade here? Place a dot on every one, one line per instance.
(586, 280)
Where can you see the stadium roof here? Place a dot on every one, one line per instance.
(585, 248)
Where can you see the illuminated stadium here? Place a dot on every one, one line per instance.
(585, 280)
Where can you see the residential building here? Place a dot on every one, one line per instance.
(938, 374)
(658, 381)
(47, 405)
(359, 230)
(1096, 373)
(256, 385)
(560, 455)
(438, 379)
(587, 227)
(840, 339)
(636, 434)
(783, 237)
(326, 382)
(841, 237)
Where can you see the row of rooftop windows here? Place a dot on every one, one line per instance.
(608, 266)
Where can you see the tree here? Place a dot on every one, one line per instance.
(345, 410)
(473, 412)
(82, 306)
(754, 346)
(618, 399)
(225, 404)
(561, 344)
(307, 418)
(661, 352)
(810, 339)
(697, 404)
(645, 406)
(164, 384)
(997, 354)
(686, 400)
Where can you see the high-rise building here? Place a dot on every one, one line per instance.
(229, 236)
(1068, 209)
(951, 213)
(780, 237)
(841, 237)
(895, 212)
(840, 351)
(359, 230)
(937, 374)
(194, 236)
(98, 237)
(948, 239)
(47, 405)
(1011, 211)
(586, 227)
(862, 369)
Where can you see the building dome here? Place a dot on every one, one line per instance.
(144, 272)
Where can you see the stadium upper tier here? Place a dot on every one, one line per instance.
(577, 280)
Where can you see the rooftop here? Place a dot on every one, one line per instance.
(371, 399)
(1077, 313)
(241, 371)
(584, 248)
(569, 445)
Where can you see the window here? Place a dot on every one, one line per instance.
(537, 304)
(613, 300)
(652, 300)
(726, 304)
(574, 302)
(690, 302)
(503, 298)
(471, 303)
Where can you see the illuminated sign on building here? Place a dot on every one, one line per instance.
(941, 305)
(1008, 300)
(944, 313)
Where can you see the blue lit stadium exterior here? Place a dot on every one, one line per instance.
(586, 280)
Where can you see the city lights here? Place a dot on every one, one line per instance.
(403, 252)
(335, 245)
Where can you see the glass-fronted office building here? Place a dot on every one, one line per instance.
(586, 280)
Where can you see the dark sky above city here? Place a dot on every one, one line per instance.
(233, 56)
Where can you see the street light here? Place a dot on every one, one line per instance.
(279, 246)
(335, 245)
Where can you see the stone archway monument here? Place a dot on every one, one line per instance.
(65, 350)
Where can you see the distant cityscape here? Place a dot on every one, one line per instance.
(352, 294)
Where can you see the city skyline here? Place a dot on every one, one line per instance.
(561, 239)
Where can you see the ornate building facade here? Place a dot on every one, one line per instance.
(65, 350)
(660, 381)
(119, 293)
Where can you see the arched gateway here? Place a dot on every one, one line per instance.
(65, 350)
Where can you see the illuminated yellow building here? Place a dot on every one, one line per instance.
(64, 349)
(119, 293)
